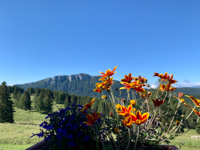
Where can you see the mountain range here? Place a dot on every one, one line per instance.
(83, 84)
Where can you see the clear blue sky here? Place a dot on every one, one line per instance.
(40, 39)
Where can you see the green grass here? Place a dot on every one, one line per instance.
(16, 136)
(189, 143)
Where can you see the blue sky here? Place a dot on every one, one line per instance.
(40, 39)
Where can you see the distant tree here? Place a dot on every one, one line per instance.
(67, 101)
(6, 105)
(39, 102)
(73, 99)
(198, 128)
(47, 103)
(35, 98)
(44, 101)
(60, 98)
(17, 98)
(16, 91)
(25, 101)
(30, 91)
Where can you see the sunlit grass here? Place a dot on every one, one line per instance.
(189, 143)
(17, 136)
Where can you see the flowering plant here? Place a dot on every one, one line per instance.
(137, 123)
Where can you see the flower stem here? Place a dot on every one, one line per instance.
(174, 116)
(191, 112)
(129, 138)
(133, 95)
(158, 89)
(137, 138)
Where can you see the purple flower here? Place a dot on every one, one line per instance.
(86, 138)
(72, 144)
(74, 127)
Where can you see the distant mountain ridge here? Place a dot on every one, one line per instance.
(83, 84)
(78, 84)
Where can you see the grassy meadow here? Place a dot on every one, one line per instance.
(16, 136)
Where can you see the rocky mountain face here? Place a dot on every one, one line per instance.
(78, 84)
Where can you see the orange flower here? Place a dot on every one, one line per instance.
(107, 82)
(139, 118)
(157, 102)
(142, 80)
(196, 101)
(165, 77)
(100, 87)
(108, 73)
(92, 118)
(145, 95)
(128, 78)
(197, 113)
(127, 121)
(98, 90)
(167, 87)
(88, 105)
(156, 74)
(133, 85)
(125, 111)
(162, 87)
(171, 81)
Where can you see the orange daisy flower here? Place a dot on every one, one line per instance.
(128, 78)
(139, 118)
(88, 105)
(197, 113)
(92, 118)
(127, 121)
(196, 101)
(124, 111)
(133, 85)
(157, 102)
(108, 73)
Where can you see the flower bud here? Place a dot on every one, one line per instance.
(177, 122)
(182, 100)
(182, 116)
(118, 106)
(104, 96)
(180, 95)
(111, 113)
(133, 102)
(149, 93)
(116, 130)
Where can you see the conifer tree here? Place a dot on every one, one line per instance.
(67, 101)
(30, 91)
(6, 105)
(25, 101)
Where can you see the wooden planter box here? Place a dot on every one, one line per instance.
(42, 143)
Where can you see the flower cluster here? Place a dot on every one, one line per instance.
(137, 122)
(65, 129)
(166, 78)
